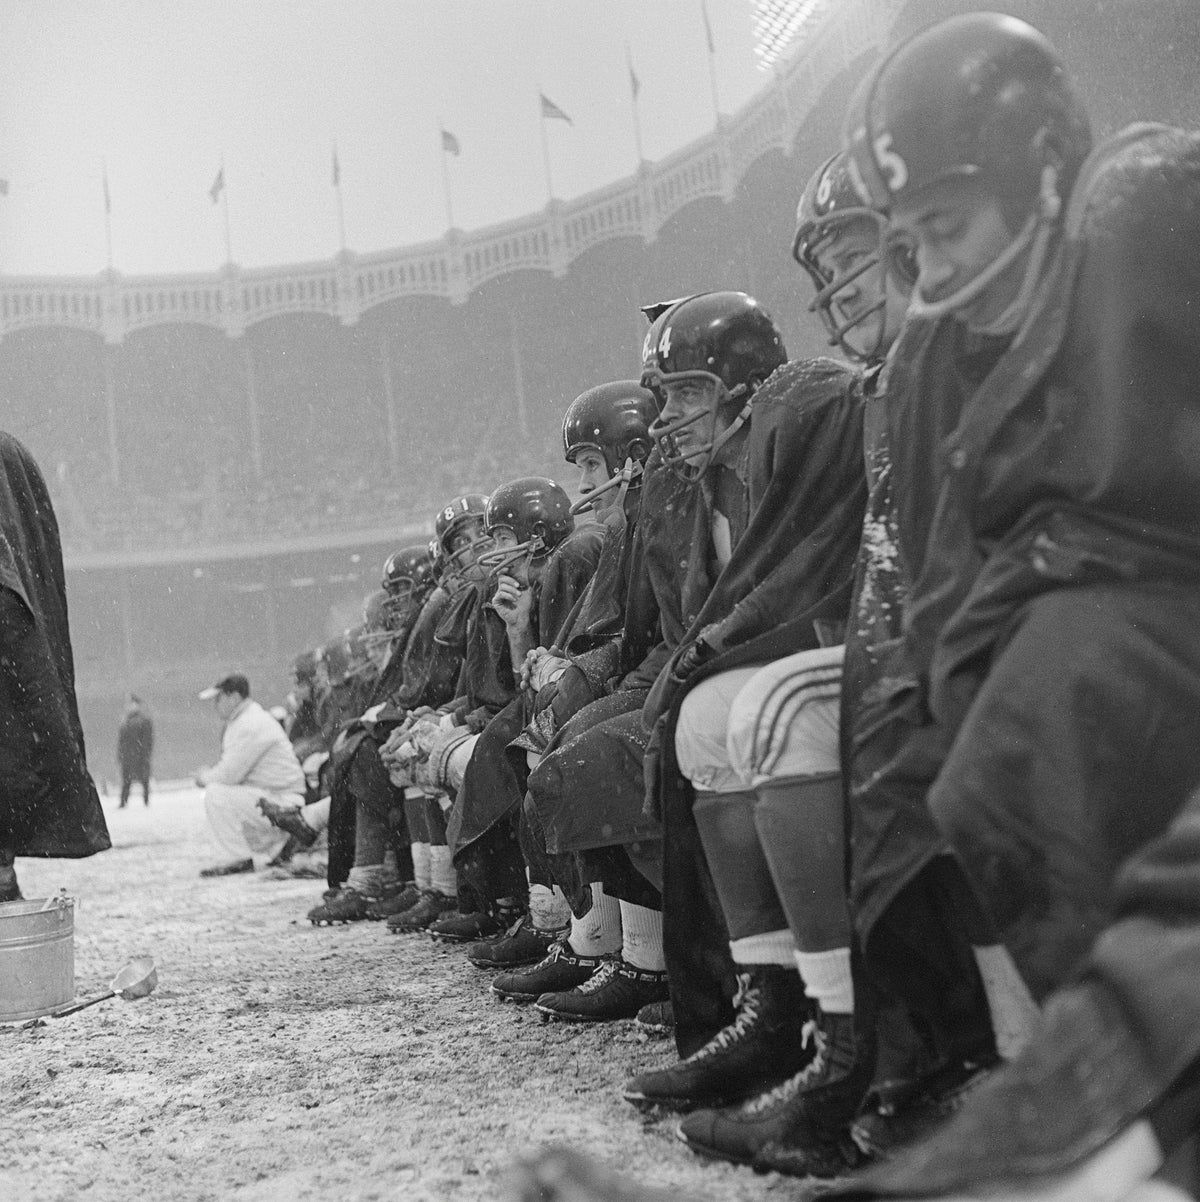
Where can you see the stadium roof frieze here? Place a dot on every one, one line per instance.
(233, 299)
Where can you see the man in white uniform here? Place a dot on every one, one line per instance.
(257, 761)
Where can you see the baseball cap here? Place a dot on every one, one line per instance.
(235, 682)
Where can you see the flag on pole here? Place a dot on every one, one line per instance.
(218, 186)
(337, 169)
(712, 48)
(3, 187)
(635, 85)
(107, 197)
(552, 111)
(450, 143)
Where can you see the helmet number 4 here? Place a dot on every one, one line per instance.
(891, 164)
(664, 344)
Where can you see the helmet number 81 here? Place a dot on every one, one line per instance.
(893, 167)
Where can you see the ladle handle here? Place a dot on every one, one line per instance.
(81, 1005)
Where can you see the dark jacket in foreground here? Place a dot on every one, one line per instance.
(1055, 640)
(48, 803)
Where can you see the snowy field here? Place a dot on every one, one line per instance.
(277, 1060)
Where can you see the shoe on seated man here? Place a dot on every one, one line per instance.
(395, 900)
(616, 990)
(431, 905)
(561, 968)
(521, 944)
(289, 819)
(762, 1046)
(228, 869)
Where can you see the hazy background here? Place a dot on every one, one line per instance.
(197, 560)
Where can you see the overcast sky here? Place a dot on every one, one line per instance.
(162, 89)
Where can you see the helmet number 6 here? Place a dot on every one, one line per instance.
(893, 167)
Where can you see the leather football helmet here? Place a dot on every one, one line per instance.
(408, 578)
(828, 206)
(723, 336)
(470, 507)
(536, 510)
(982, 97)
(613, 419)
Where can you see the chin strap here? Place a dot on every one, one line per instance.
(1034, 236)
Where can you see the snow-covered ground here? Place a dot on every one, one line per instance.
(278, 1060)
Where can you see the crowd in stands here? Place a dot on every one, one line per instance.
(341, 492)
(855, 740)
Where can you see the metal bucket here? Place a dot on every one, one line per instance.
(37, 957)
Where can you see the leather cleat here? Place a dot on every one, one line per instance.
(466, 928)
(616, 990)
(521, 944)
(238, 866)
(655, 1021)
(906, 1118)
(560, 968)
(430, 906)
(290, 819)
(804, 1119)
(395, 899)
(347, 905)
(763, 1046)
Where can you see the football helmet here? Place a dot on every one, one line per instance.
(469, 508)
(613, 419)
(981, 96)
(723, 336)
(408, 578)
(829, 205)
(536, 511)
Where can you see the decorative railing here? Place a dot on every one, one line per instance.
(233, 299)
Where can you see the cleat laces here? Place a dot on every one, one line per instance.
(599, 978)
(747, 1001)
(807, 1076)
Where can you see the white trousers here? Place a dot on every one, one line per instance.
(748, 726)
(238, 826)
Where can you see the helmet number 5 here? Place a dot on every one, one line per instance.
(893, 167)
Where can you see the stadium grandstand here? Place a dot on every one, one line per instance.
(232, 455)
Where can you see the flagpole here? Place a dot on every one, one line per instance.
(337, 187)
(545, 148)
(107, 217)
(225, 212)
(445, 174)
(712, 63)
(637, 116)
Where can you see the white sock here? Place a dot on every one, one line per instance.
(420, 859)
(548, 908)
(1014, 1012)
(642, 937)
(598, 932)
(366, 878)
(770, 947)
(827, 979)
(441, 870)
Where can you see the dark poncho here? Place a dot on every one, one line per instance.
(48, 806)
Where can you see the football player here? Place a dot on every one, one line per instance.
(1038, 405)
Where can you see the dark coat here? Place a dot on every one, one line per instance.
(48, 806)
(135, 744)
(1054, 640)
(789, 576)
(494, 786)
